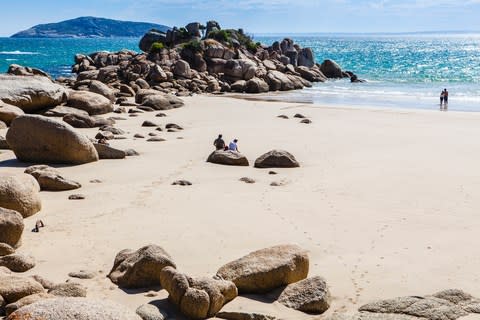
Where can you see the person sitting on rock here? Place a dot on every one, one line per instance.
(233, 145)
(219, 143)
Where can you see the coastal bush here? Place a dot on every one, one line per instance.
(194, 46)
(252, 46)
(220, 35)
(157, 47)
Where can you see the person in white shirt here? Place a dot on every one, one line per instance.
(233, 145)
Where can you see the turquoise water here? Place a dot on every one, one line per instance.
(401, 70)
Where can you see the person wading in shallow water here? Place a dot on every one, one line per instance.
(444, 100)
(442, 95)
(219, 143)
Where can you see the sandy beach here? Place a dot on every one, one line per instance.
(385, 201)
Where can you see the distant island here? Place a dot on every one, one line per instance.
(90, 27)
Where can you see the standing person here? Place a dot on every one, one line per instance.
(445, 96)
(442, 96)
(219, 143)
(233, 145)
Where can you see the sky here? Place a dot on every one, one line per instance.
(257, 16)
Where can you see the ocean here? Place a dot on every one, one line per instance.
(402, 70)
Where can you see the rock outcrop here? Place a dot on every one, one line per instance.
(30, 93)
(20, 193)
(266, 269)
(11, 227)
(276, 159)
(228, 157)
(74, 309)
(310, 295)
(141, 268)
(14, 287)
(197, 298)
(40, 139)
(50, 179)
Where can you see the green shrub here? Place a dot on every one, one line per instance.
(220, 35)
(193, 45)
(252, 46)
(157, 47)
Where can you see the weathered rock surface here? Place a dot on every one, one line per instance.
(448, 304)
(25, 301)
(82, 274)
(6, 249)
(162, 101)
(106, 152)
(239, 315)
(9, 112)
(79, 120)
(276, 159)
(197, 298)
(14, 287)
(228, 157)
(61, 111)
(68, 289)
(141, 268)
(30, 93)
(266, 269)
(151, 312)
(11, 228)
(331, 69)
(17, 262)
(73, 309)
(50, 178)
(310, 295)
(102, 89)
(40, 139)
(20, 193)
(91, 102)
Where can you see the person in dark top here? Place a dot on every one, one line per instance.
(219, 143)
(445, 96)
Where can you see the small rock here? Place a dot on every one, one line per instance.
(161, 114)
(145, 108)
(139, 136)
(306, 121)
(6, 249)
(68, 289)
(83, 274)
(147, 123)
(104, 135)
(282, 116)
(96, 181)
(152, 134)
(133, 115)
(247, 180)
(159, 129)
(173, 126)
(310, 295)
(134, 110)
(272, 172)
(151, 312)
(151, 294)
(47, 284)
(277, 183)
(156, 139)
(76, 197)
(107, 152)
(182, 183)
(299, 115)
(131, 153)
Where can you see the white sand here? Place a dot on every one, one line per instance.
(386, 201)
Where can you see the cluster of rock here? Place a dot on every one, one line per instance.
(272, 159)
(182, 62)
(283, 266)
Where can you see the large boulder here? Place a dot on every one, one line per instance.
(310, 295)
(447, 304)
(229, 157)
(151, 37)
(197, 298)
(40, 139)
(267, 269)
(11, 227)
(279, 81)
(182, 69)
(276, 159)
(256, 85)
(331, 69)
(9, 112)
(30, 93)
(74, 309)
(161, 101)
(102, 89)
(14, 287)
(141, 268)
(20, 192)
(50, 179)
(17, 262)
(91, 102)
(25, 301)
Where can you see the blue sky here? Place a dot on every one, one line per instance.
(256, 16)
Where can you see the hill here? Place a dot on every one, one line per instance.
(89, 27)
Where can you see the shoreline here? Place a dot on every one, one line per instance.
(380, 198)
